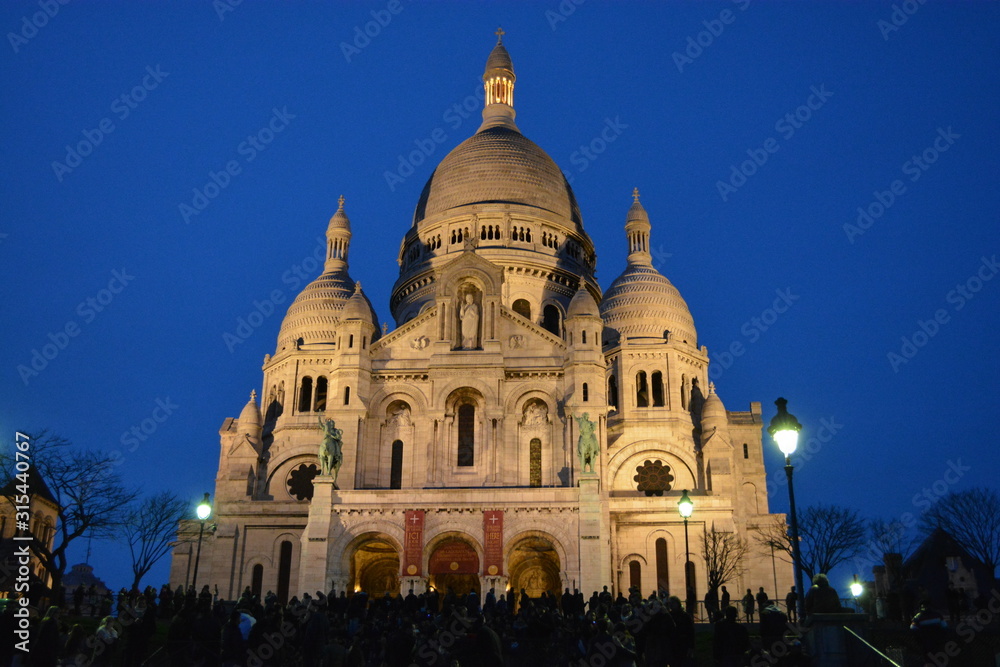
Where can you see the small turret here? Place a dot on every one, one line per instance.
(498, 81)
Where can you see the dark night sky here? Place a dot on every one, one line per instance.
(886, 96)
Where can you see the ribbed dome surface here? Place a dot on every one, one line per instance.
(499, 59)
(497, 164)
(642, 303)
(314, 313)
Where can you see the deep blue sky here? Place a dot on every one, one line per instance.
(679, 132)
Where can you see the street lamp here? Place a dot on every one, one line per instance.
(685, 507)
(856, 590)
(784, 429)
(204, 511)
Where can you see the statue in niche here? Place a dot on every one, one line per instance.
(586, 445)
(535, 414)
(399, 416)
(331, 452)
(469, 313)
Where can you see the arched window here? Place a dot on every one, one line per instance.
(305, 394)
(657, 382)
(257, 580)
(583, 337)
(396, 467)
(635, 575)
(684, 402)
(535, 462)
(662, 581)
(466, 435)
(319, 405)
(586, 393)
(347, 395)
(550, 319)
(284, 571)
(523, 308)
(613, 392)
(350, 341)
(641, 390)
(746, 451)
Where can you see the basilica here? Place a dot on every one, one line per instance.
(517, 429)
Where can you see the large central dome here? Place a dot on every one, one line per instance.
(498, 164)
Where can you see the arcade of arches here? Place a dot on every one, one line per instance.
(532, 564)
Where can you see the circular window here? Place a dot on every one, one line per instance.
(300, 481)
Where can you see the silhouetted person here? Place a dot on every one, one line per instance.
(929, 629)
(731, 639)
(821, 598)
(724, 600)
(748, 606)
(791, 603)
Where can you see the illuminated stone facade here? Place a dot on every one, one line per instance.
(461, 426)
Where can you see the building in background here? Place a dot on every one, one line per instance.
(517, 428)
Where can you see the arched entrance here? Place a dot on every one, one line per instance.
(375, 566)
(454, 565)
(533, 564)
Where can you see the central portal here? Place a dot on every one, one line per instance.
(454, 565)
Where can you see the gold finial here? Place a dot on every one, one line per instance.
(635, 195)
(341, 202)
(499, 33)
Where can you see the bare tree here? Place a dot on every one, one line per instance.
(724, 555)
(828, 535)
(971, 518)
(87, 490)
(887, 536)
(149, 528)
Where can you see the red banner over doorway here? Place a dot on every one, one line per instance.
(493, 542)
(413, 543)
(454, 557)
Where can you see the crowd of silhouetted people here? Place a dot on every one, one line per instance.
(425, 630)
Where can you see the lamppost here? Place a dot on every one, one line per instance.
(857, 588)
(784, 429)
(685, 507)
(204, 511)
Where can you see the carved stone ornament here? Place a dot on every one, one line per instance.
(653, 477)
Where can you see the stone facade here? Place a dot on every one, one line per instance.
(498, 435)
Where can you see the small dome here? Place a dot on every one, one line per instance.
(359, 308)
(497, 165)
(250, 421)
(582, 303)
(314, 314)
(642, 303)
(499, 59)
(713, 412)
(636, 213)
(340, 219)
